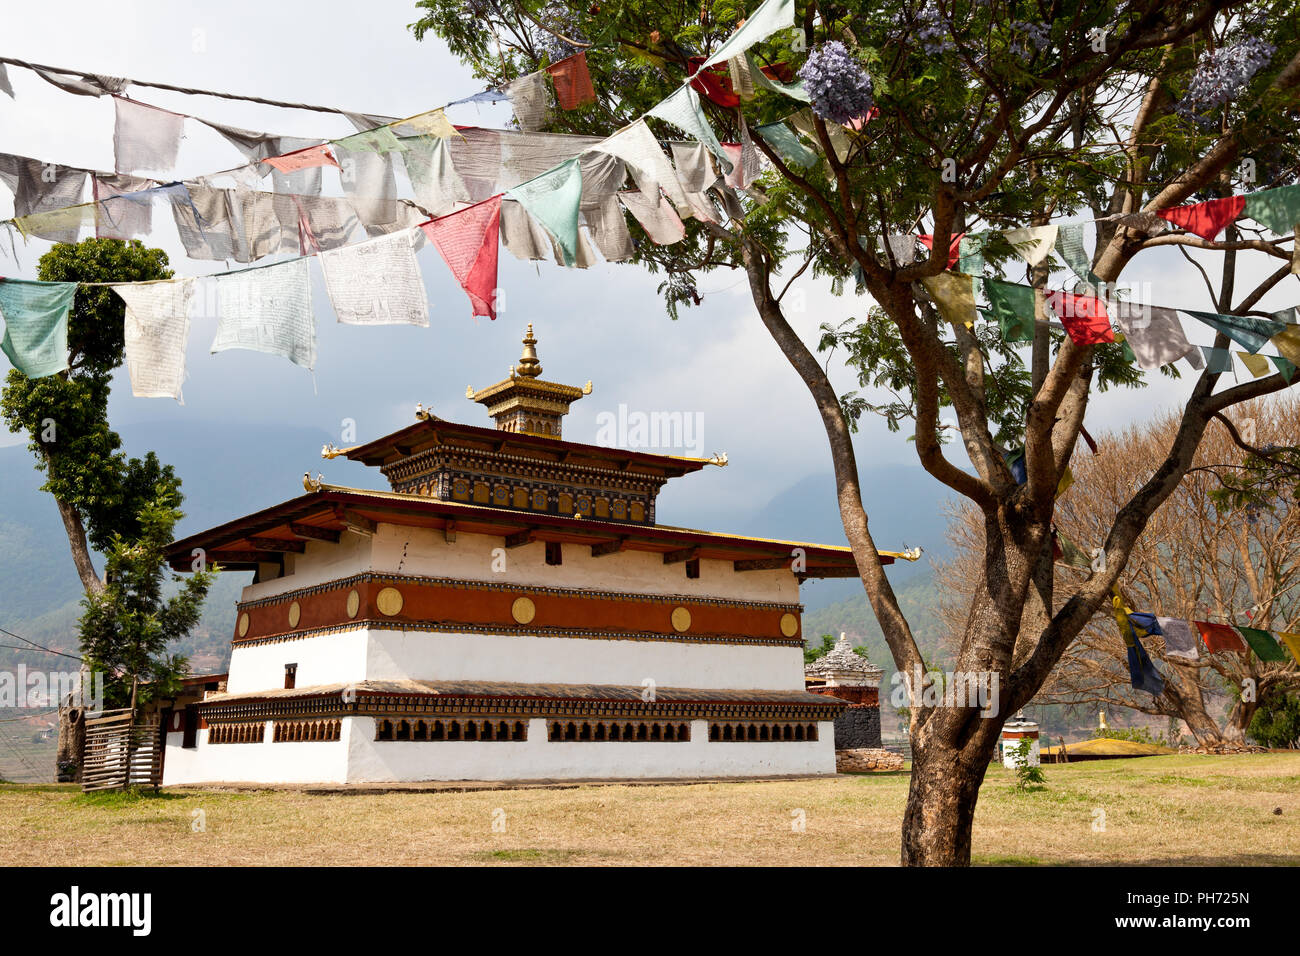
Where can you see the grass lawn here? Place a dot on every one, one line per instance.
(1158, 810)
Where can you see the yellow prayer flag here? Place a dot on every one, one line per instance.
(1067, 479)
(1258, 364)
(954, 294)
(1288, 343)
(432, 123)
(1292, 642)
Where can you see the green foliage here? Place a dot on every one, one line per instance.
(66, 415)
(126, 628)
(1276, 721)
(1028, 776)
(812, 653)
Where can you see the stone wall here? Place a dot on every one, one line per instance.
(858, 728)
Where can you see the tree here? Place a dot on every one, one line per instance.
(1276, 722)
(127, 626)
(1203, 555)
(98, 490)
(993, 114)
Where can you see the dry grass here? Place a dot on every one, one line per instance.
(1158, 810)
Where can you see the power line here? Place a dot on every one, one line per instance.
(94, 78)
(39, 647)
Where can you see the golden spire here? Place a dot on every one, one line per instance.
(528, 366)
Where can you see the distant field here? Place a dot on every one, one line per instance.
(1158, 810)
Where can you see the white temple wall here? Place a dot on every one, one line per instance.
(372, 761)
(399, 549)
(331, 658)
(420, 655)
(282, 763)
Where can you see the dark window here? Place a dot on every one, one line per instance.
(693, 568)
(290, 675)
(190, 726)
(554, 552)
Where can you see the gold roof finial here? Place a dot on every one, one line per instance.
(529, 366)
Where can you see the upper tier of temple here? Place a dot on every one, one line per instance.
(523, 463)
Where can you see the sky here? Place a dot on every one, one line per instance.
(606, 324)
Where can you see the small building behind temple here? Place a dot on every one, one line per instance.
(845, 674)
(511, 608)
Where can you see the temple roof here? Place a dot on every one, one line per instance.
(842, 659)
(326, 511)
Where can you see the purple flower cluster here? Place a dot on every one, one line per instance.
(838, 85)
(1037, 35)
(1222, 75)
(931, 31)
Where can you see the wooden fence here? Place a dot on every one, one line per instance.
(120, 752)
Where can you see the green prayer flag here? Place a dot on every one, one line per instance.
(785, 141)
(36, 324)
(1265, 646)
(552, 199)
(970, 254)
(1285, 367)
(1219, 360)
(378, 140)
(1248, 331)
(795, 90)
(1277, 209)
(1014, 307)
(1069, 243)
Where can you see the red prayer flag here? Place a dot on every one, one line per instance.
(1206, 219)
(572, 81)
(468, 241)
(1220, 637)
(858, 122)
(714, 83)
(303, 159)
(954, 253)
(1084, 317)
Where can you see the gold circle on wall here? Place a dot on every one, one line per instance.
(524, 610)
(681, 619)
(389, 601)
(789, 625)
(243, 624)
(354, 602)
(295, 614)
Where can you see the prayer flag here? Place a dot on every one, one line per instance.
(1147, 622)
(267, 309)
(1256, 364)
(437, 185)
(430, 123)
(656, 216)
(954, 247)
(303, 159)
(1276, 209)
(766, 77)
(528, 99)
(1033, 243)
(1143, 674)
(790, 147)
(572, 81)
(1014, 307)
(1219, 637)
(1263, 643)
(1288, 342)
(682, 109)
(1285, 366)
(145, 137)
(1069, 243)
(381, 139)
(1179, 639)
(468, 241)
(1248, 331)
(122, 218)
(36, 325)
(954, 296)
(771, 16)
(1084, 317)
(552, 199)
(1205, 219)
(1292, 642)
(1220, 360)
(650, 168)
(805, 122)
(155, 331)
(1154, 333)
(742, 82)
(376, 282)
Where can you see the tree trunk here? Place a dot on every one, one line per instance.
(941, 798)
(72, 743)
(90, 581)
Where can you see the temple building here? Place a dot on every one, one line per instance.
(509, 609)
(845, 674)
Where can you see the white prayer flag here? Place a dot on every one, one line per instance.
(377, 282)
(268, 309)
(145, 137)
(155, 332)
(1033, 243)
(772, 15)
(639, 149)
